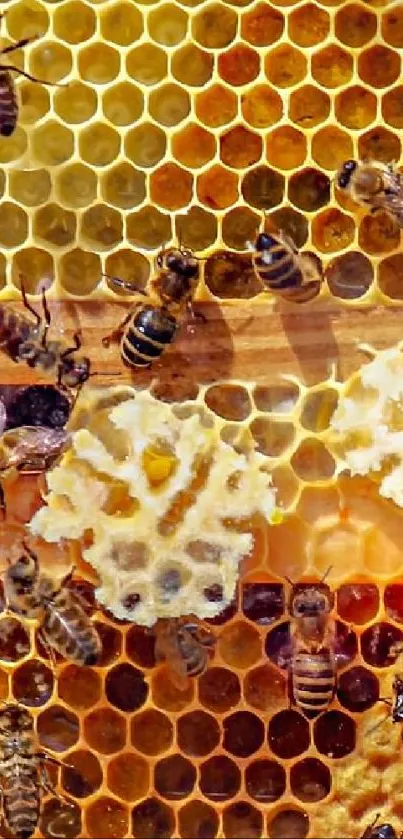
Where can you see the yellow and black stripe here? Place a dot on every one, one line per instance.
(147, 336)
(8, 104)
(313, 681)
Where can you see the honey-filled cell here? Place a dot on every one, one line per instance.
(308, 25)
(262, 25)
(215, 26)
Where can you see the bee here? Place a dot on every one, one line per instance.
(29, 450)
(373, 184)
(148, 330)
(23, 772)
(283, 270)
(184, 644)
(380, 831)
(64, 623)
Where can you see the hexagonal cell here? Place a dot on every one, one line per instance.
(263, 187)
(390, 276)
(291, 222)
(379, 66)
(240, 148)
(378, 644)
(229, 401)
(193, 146)
(123, 104)
(99, 144)
(239, 226)
(219, 689)
(358, 602)
(35, 102)
(350, 276)
(286, 148)
(216, 106)
(197, 819)
(261, 106)
(145, 145)
(148, 228)
(240, 645)
(263, 603)
(125, 687)
(11, 148)
(276, 398)
(192, 66)
(309, 190)
(171, 186)
(128, 777)
(229, 276)
(393, 599)
(124, 187)
(36, 267)
(27, 20)
(58, 729)
(121, 23)
(310, 780)
(220, 778)
(152, 818)
(379, 144)
(83, 774)
(355, 25)
(308, 106)
(318, 408)
(285, 66)
(52, 143)
(167, 696)
(109, 813)
(151, 732)
(76, 185)
(239, 65)
(330, 145)
(334, 734)
(215, 26)
(62, 817)
(358, 689)
(76, 103)
(392, 107)
(265, 781)
(262, 26)
(218, 188)
(32, 684)
(289, 824)
(140, 645)
(174, 777)
(74, 22)
(333, 230)
(378, 233)
(147, 64)
(241, 819)
(355, 107)
(288, 734)
(312, 461)
(286, 485)
(243, 734)
(55, 225)
(332, 66)
(272, 438)
(79, 687)
(198, 733)
(80, 271)
(15, 640)
(308, 25)
(392, 27)
(105, 731)
(50, 61)
(169, 104)
(167, 24)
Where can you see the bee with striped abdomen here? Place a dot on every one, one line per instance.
(64, 623)
(373, 184)
(380, 831)
(283, 270)
(184, 644)
(149, 329)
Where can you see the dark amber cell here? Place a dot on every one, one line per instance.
(310, 780)
(111, 643)
(198, 820)
(128, 777)
(379, 144)
(167, 696)
(350, 275)
(318, 408)
(151, 732)
(174, 777)
(140, 646)
(263, 603)
(392, 107)
(240, 148)
(378, 642)
(262, 26)
(241, 819)
(145, 145)
(265, 780)
(101, 226)
(14, 640)
(285, 66)
(171, 186)
(121, 23)
(392, 27)
(55, 225)
(229, 401)
(152, 819)
(272, 438)
(355, 25)
(277, 399)
(169, 105)
(198, 733)
(358, 689)
(32, 683)
(393, 599)
(289, 824)
(193, 146)
(263, 187)
(105, 731)
(218, 188)
(378, 233)
(291, 222)
(288, 734)
(265, 688)
(192, 66)
(330, 145)
(74, 22)
(334, 734)
(106, 815)
(355, 107)
(332, 66)
(58, 729)
(125, 687)
(239, 226)
(240, 645)
(83, 774)
(286, 147)
(80, 271)
(390, 276)
(219, 690)
(312, 461)
(147, 64)
(79, 687)
(220, 778)
(60, 818)
(229, 275)
(308, 25)
(216, 106)
(309, 106)
(309, 190)
(261, 106)
(215, 26)
(379, 66)
(239, 65)
(243, 733)
(359, 602)
(333, 230)
(148, 228)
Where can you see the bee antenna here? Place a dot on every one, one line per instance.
(29, 551)
(102, 373)
(326, 574)
(379, 723)
(288, 580)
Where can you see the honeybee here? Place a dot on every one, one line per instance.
(29, 450)
(64, 624)
(184, 644)
(380, 831)
(283, 270)
(23, 772)
(147, 330)
(373, 184)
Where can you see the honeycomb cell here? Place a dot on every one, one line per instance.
(54, 225)
(390, 276)
(332, 66)
(145, 145)
(265, 781)
(308, 25)
(192, 66)
(99, 63)
(121, 23)
(151, 732)
(219, 690)
(310, 780)
(355, 25)
(152, 819)
(130, 266)
(240, 148)
(220, 778)
(174, 777)
(76, 103)
(291, 222)
(50, 61)
(238, 227)
(229, 401)
(147, 64)
(58, 729)
(318, 408)
(216, 106)
(288, 734)
(378, 233)
(378, 644)
(161, 182)
(285, 484)
(198, 733)
(392, 107)
(79, 272)
(14, 640)
(392, 27)
(243, 734)
(124, 187)
(197, 229)
(309, 190)
(128, 777)
(60, 818)
(99, 144)
(34, 102)
(240, 645)
(355, 107)
(148, 228)
(140, 646)
(239, 65)
(230, 275)
(35, 266)
(11, 148)
(379, 66)
(123, 104)
(358, 603)
(27, 20)
(215, 26)
(286, 147)
(193, 146)
(79, 687)
(263, 603)
(332, 231)
(312, 461)
(358, 689)
(83, 775)
(167, 696)
(277, 398)
(241, 819)
(105, 731)
(330, 145)
(350, 275)
(13, 225)
(125, 687)
(217, 188)
(197, 819)
(262, 26)
(74, 22)
(76, 186)
(263, 187)
(379, 144)
(109, 813)
(285, 66)
(272, 438)
(169, 105)
(32, 684)
(334, 734)
(261, 106)
(289, 824)
(308, 106)
(393, 599)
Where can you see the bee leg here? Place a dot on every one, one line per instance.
(3, 507)
(195, 315)
(17, 45)
(117, 333)
(76, 346)
(49, 649)
(47, 319)
(15, 69)
(46, 783)
(28, 305)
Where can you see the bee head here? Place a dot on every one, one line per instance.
(180, 261)
(310, 601)
(74, 370)
(383, 831)
(265, 241)
(14, 718)
(345, 173)
(22, 573)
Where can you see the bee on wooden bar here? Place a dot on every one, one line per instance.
(283, 270)
(29, 450)
(380, 831)
(184, 644)
(64, 623)
(375, 185)
(148, 330)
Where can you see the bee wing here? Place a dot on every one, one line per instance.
(394, 204)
